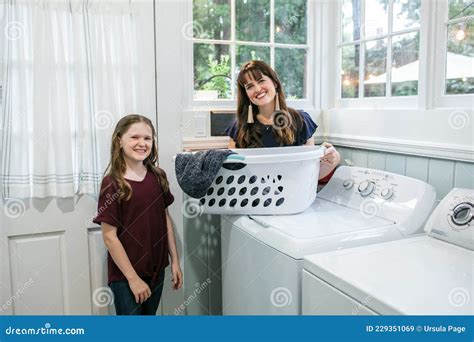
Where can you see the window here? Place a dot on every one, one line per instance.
(379, 48)
(228, 33)
(459, 73)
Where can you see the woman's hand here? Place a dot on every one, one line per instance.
(176, 276)
(331, 156)
(140, 289)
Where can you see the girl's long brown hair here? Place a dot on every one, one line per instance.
(249, 135)
(117, 167)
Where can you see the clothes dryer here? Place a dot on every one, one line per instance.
(431, 274)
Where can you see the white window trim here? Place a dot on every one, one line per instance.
(312, 59)
(440, 100)
(394, 124)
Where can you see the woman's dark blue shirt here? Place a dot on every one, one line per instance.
(268, 140)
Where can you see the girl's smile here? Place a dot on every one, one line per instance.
(137, 142)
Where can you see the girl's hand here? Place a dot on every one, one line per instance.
(331, 156)
(176, 276)
(140, 290)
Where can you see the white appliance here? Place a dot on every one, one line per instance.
(262, 256)
(429, 274)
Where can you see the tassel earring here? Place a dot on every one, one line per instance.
(277, 103)
(250, 114)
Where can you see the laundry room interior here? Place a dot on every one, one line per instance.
(237, 157)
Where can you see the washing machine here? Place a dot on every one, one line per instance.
(262, 256)
(431, 274)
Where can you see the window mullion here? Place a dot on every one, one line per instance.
(388, 79)
(361, 49)
(233, 48)
(272, 33)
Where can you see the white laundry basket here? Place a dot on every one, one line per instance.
(265, 181)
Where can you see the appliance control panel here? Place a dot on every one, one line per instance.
(402, 199)
(452, 220)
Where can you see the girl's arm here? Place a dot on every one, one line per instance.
(139, 288)
(231, 143)
(175, 268)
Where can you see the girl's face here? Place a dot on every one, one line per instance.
(137, 142)
(260, 92)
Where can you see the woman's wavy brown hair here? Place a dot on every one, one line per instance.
(117, 167)
(290, 120)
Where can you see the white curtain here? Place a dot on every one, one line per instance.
(70, 70)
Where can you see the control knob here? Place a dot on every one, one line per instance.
(348, 184)
(365, 188)
(462, 214)
(386, 193)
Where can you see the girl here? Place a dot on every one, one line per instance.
(264, 120)
(136, 225)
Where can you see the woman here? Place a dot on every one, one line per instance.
(264, 120)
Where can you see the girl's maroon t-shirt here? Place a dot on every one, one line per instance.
(140, 222)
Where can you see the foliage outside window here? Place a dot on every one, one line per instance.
(459, 77)
(379, 48)
(224, 38)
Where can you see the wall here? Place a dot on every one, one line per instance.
(441, 173)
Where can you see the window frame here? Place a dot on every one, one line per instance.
(311, 59)
(440, 99)
(390, 101)
(432, 57)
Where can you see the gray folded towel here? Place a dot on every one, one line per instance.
(196, 171)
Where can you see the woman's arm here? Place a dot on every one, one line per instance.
(329, 161)
(175, 268)
(231, 143)
(139, 288)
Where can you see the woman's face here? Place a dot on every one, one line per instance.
(260, 92)
(137, 142)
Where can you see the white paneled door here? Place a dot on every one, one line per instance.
(53, 260)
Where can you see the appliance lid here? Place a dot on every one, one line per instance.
(322, 219)
(415, 276)
(325, 226)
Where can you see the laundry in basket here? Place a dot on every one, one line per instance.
(264, 181)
